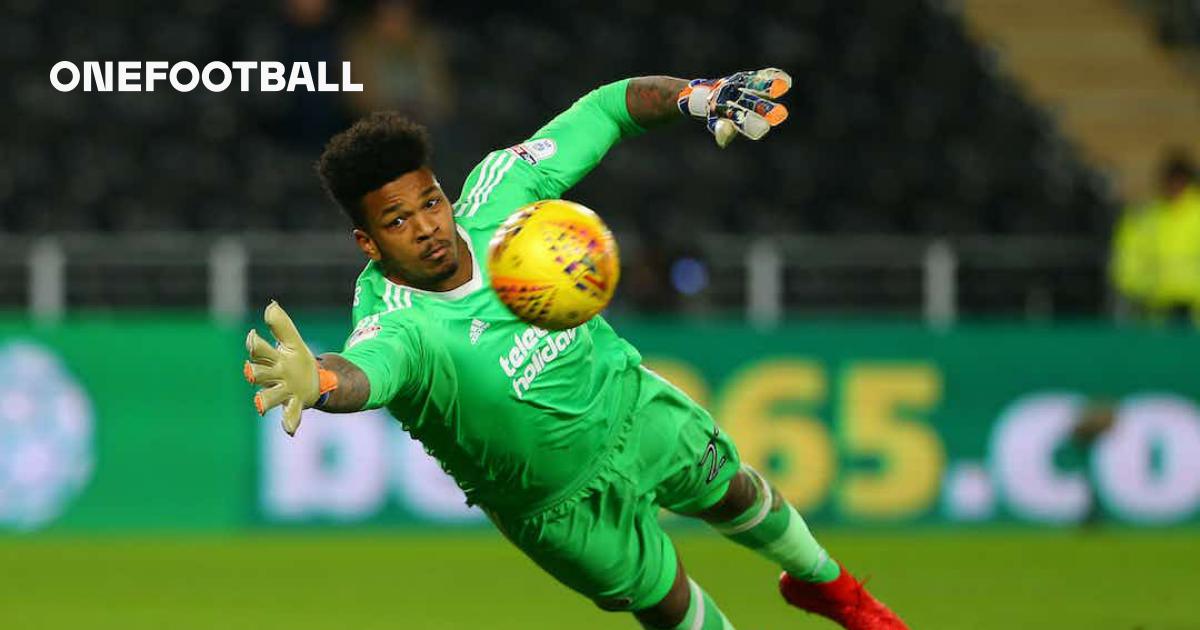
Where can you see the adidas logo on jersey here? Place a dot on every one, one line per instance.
(477, 328)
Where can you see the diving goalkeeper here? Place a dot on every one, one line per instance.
(562, 438)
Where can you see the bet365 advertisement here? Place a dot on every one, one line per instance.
(118, 424)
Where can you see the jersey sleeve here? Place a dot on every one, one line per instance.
(389, 352)
(550, 161)
(574, 142)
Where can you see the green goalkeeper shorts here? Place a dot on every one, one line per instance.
(605, 541)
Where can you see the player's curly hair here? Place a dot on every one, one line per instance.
(378, 148)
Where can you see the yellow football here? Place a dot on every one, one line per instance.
(554, 264)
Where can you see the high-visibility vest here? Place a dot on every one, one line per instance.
(1177, 250)
(1133, 253)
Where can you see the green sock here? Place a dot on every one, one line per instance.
(702, 613)
(774, 529)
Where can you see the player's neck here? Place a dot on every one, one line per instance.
(462, 276)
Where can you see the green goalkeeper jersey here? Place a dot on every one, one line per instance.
(521, 417)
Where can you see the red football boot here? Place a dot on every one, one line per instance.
(844, 600)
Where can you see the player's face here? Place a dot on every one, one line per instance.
(410, 231)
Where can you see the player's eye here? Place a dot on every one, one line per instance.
(433, 202)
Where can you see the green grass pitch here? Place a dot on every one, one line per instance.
(937, 579)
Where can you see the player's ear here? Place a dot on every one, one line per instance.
(366, 244)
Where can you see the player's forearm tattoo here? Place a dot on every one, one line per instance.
(651, 101)
(353, 388)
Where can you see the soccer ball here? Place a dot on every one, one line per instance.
(554, 264)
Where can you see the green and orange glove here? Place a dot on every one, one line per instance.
(287, 372)
(737, 104)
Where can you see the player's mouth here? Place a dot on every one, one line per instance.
(437, 252)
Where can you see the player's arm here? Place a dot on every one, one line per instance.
(353, 390)
(575, 141)
(653, 101)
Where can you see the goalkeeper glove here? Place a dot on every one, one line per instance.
(737, 103)
(287, 372)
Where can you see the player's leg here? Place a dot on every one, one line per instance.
(685, 607)
(700, 474)
(753, 514)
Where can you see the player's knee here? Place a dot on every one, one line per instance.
(669, 611)
(763, 490)
(747, 489)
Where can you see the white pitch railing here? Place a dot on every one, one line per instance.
(47, 280)
(941, 285)
(228, 264)
(759, 272)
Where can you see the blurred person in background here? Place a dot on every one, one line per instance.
(1156, 247)
(400, 61)
(1132, 257)
(310, 34)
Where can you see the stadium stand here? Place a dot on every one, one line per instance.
(899, 123)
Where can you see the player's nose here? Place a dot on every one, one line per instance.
(425, 226)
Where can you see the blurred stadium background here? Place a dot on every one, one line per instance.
(949, 306)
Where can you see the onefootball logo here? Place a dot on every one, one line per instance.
(46, 456)
(185, 76)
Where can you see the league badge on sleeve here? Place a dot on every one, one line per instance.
(366, 330)
(535, 151)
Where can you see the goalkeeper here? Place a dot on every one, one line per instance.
(562, 438)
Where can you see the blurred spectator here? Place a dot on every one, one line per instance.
(1132, 264)
(310, 34)
(399, 60)
(1156, 247)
